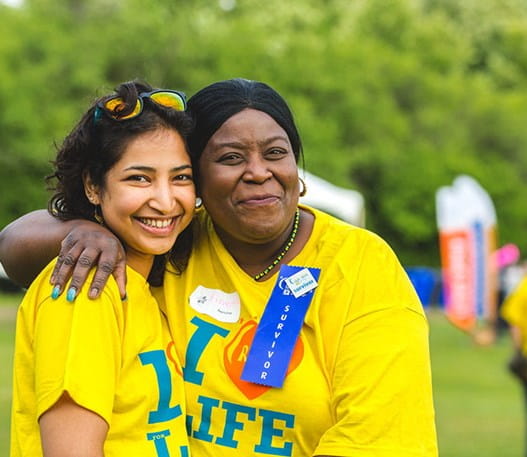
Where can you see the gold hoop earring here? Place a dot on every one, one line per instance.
(303, 186)
(98, 216)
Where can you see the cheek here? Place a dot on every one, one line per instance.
(215, 185)
(188, 200)
(125, 202)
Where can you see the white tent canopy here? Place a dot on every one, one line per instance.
(346, 204)
(2, 272)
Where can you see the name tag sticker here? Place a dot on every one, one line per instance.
(215, 303)
(279, 327)
(301, 283)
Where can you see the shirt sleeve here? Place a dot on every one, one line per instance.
(515, 305)
(381, 381)
(514, 311)
(78, 350)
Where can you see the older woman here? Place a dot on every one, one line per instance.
(299, 335)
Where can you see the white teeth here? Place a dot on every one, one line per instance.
(156, 222)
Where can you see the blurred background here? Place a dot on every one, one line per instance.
(393, 99)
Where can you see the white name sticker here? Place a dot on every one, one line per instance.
(301, 282)
(215, 303)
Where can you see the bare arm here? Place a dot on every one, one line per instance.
(30, 242)
(69, 430)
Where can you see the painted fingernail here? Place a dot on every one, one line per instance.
(72, 292)
(93, 292)
(55, 292)
(124, 298)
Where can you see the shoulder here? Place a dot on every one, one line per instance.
(345, 241)
(515, 305)
(359, 267)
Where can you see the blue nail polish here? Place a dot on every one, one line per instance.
(72, 292)
(55, 293)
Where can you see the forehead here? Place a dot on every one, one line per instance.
(248, 125)
(155, 145)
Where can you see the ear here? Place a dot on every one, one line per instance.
(90, 189)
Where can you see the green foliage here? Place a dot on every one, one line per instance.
(393, 97)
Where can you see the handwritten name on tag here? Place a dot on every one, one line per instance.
(222, 306)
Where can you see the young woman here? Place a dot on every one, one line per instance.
(301, 335)
(101, 378)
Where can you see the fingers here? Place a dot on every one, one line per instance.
(103, 272)
(68, 255)
(119, 274)
(76, 259)
(112, 260)
(89, 258)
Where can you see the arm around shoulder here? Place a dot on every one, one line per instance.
(29, 243)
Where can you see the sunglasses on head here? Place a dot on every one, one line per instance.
(114, 106)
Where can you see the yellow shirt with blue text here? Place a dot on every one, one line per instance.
(359, 380)
(114, 358)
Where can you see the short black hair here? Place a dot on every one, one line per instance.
(213, 105)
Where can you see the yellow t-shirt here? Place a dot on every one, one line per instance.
(514, 311)
(114, 358)
(359, 381)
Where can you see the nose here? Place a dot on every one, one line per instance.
(163, 198)
(257, 170)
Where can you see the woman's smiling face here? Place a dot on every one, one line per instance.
(249, 178)
(148, 196)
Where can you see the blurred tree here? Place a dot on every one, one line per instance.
(392, 97)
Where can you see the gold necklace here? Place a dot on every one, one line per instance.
(288, 244)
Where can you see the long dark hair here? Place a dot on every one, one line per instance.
(95, 144)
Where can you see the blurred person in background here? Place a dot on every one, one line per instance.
(300, 335)
(514, 311)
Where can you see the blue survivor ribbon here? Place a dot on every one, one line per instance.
(280, 325)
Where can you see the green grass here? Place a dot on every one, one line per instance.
(8, 305)
(478, 404)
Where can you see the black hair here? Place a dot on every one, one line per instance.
(96, 143)
(214, 104)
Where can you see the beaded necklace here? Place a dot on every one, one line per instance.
(288, 244)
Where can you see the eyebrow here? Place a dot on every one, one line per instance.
(240, 144)
(151, 169)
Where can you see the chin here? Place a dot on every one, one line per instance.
(262, 234)
(158, 250)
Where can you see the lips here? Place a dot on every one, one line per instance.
(158, 226)
(259, 199)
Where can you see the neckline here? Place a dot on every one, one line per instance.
(229, 263)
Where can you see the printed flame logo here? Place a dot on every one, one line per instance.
(235, 355)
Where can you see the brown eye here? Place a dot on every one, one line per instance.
(138, 178)
(276, 153)
(183, 177)
(230, 158)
